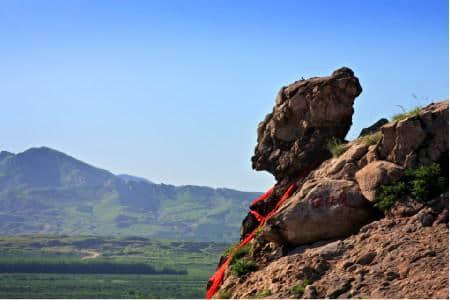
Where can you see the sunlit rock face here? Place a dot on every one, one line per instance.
(306, 114)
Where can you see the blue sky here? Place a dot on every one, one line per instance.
(173, 90)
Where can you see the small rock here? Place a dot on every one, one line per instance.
(364, 236)
(310, 292)
(410, 228)
(309, 273)
(391, 275)
(403, 270)
(427, 219)
(332, 250)
(347, 264)
(352, 268)
(366, 258)
(322, 266)
(339, 288)
(442, 217)
(392, 247)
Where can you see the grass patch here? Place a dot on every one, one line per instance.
(406, 114)
(420, 183)
(372, 139)
(259, 231)
(264, 293)
(244, 251)
(336, 147)
(229, 250)
(299, 289)
(243, 266)
(224, 294)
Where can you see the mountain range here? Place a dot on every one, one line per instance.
(48, 192)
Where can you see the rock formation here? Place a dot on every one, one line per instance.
(328, 239)
(306, 114)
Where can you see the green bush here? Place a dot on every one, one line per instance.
(336, 147)
(426, 181)
(406, 114)
(299, 289)
(420, 183)
(387, 195)
(243, 266)
(244, 251)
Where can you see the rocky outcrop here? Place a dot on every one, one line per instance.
(318, 211)
(306, 114)
(417, 140)
(291, 139)
(327, 239)
(394, 257)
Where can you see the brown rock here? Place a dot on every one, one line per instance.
(427, 131)
(391, 275)
(375, 174)
(306, 114)
(427, 219)
(372, 154)
(366, 258)
(310, 292)
(407, 207)
(333, 208)
(339, 287)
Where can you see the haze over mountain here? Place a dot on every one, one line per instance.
(46, 191)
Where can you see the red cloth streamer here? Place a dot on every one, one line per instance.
(217, 278)
(263, 196)
(257, 215)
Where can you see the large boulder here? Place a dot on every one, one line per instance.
(306, 115)
(323, 210)
(375, 174)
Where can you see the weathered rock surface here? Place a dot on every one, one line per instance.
(395, 257)
(331, 208)
(328, 232)
(307, 113)
(420, 139)
(375, 174)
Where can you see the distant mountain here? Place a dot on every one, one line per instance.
(129, 178)
(46, 191)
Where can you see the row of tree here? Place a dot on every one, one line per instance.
(82, 267)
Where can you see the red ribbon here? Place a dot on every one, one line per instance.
(217, 278)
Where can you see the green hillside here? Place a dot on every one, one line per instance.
(48, 192)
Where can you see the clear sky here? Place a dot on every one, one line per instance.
(173, 90)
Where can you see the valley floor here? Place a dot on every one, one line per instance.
(182, 267)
